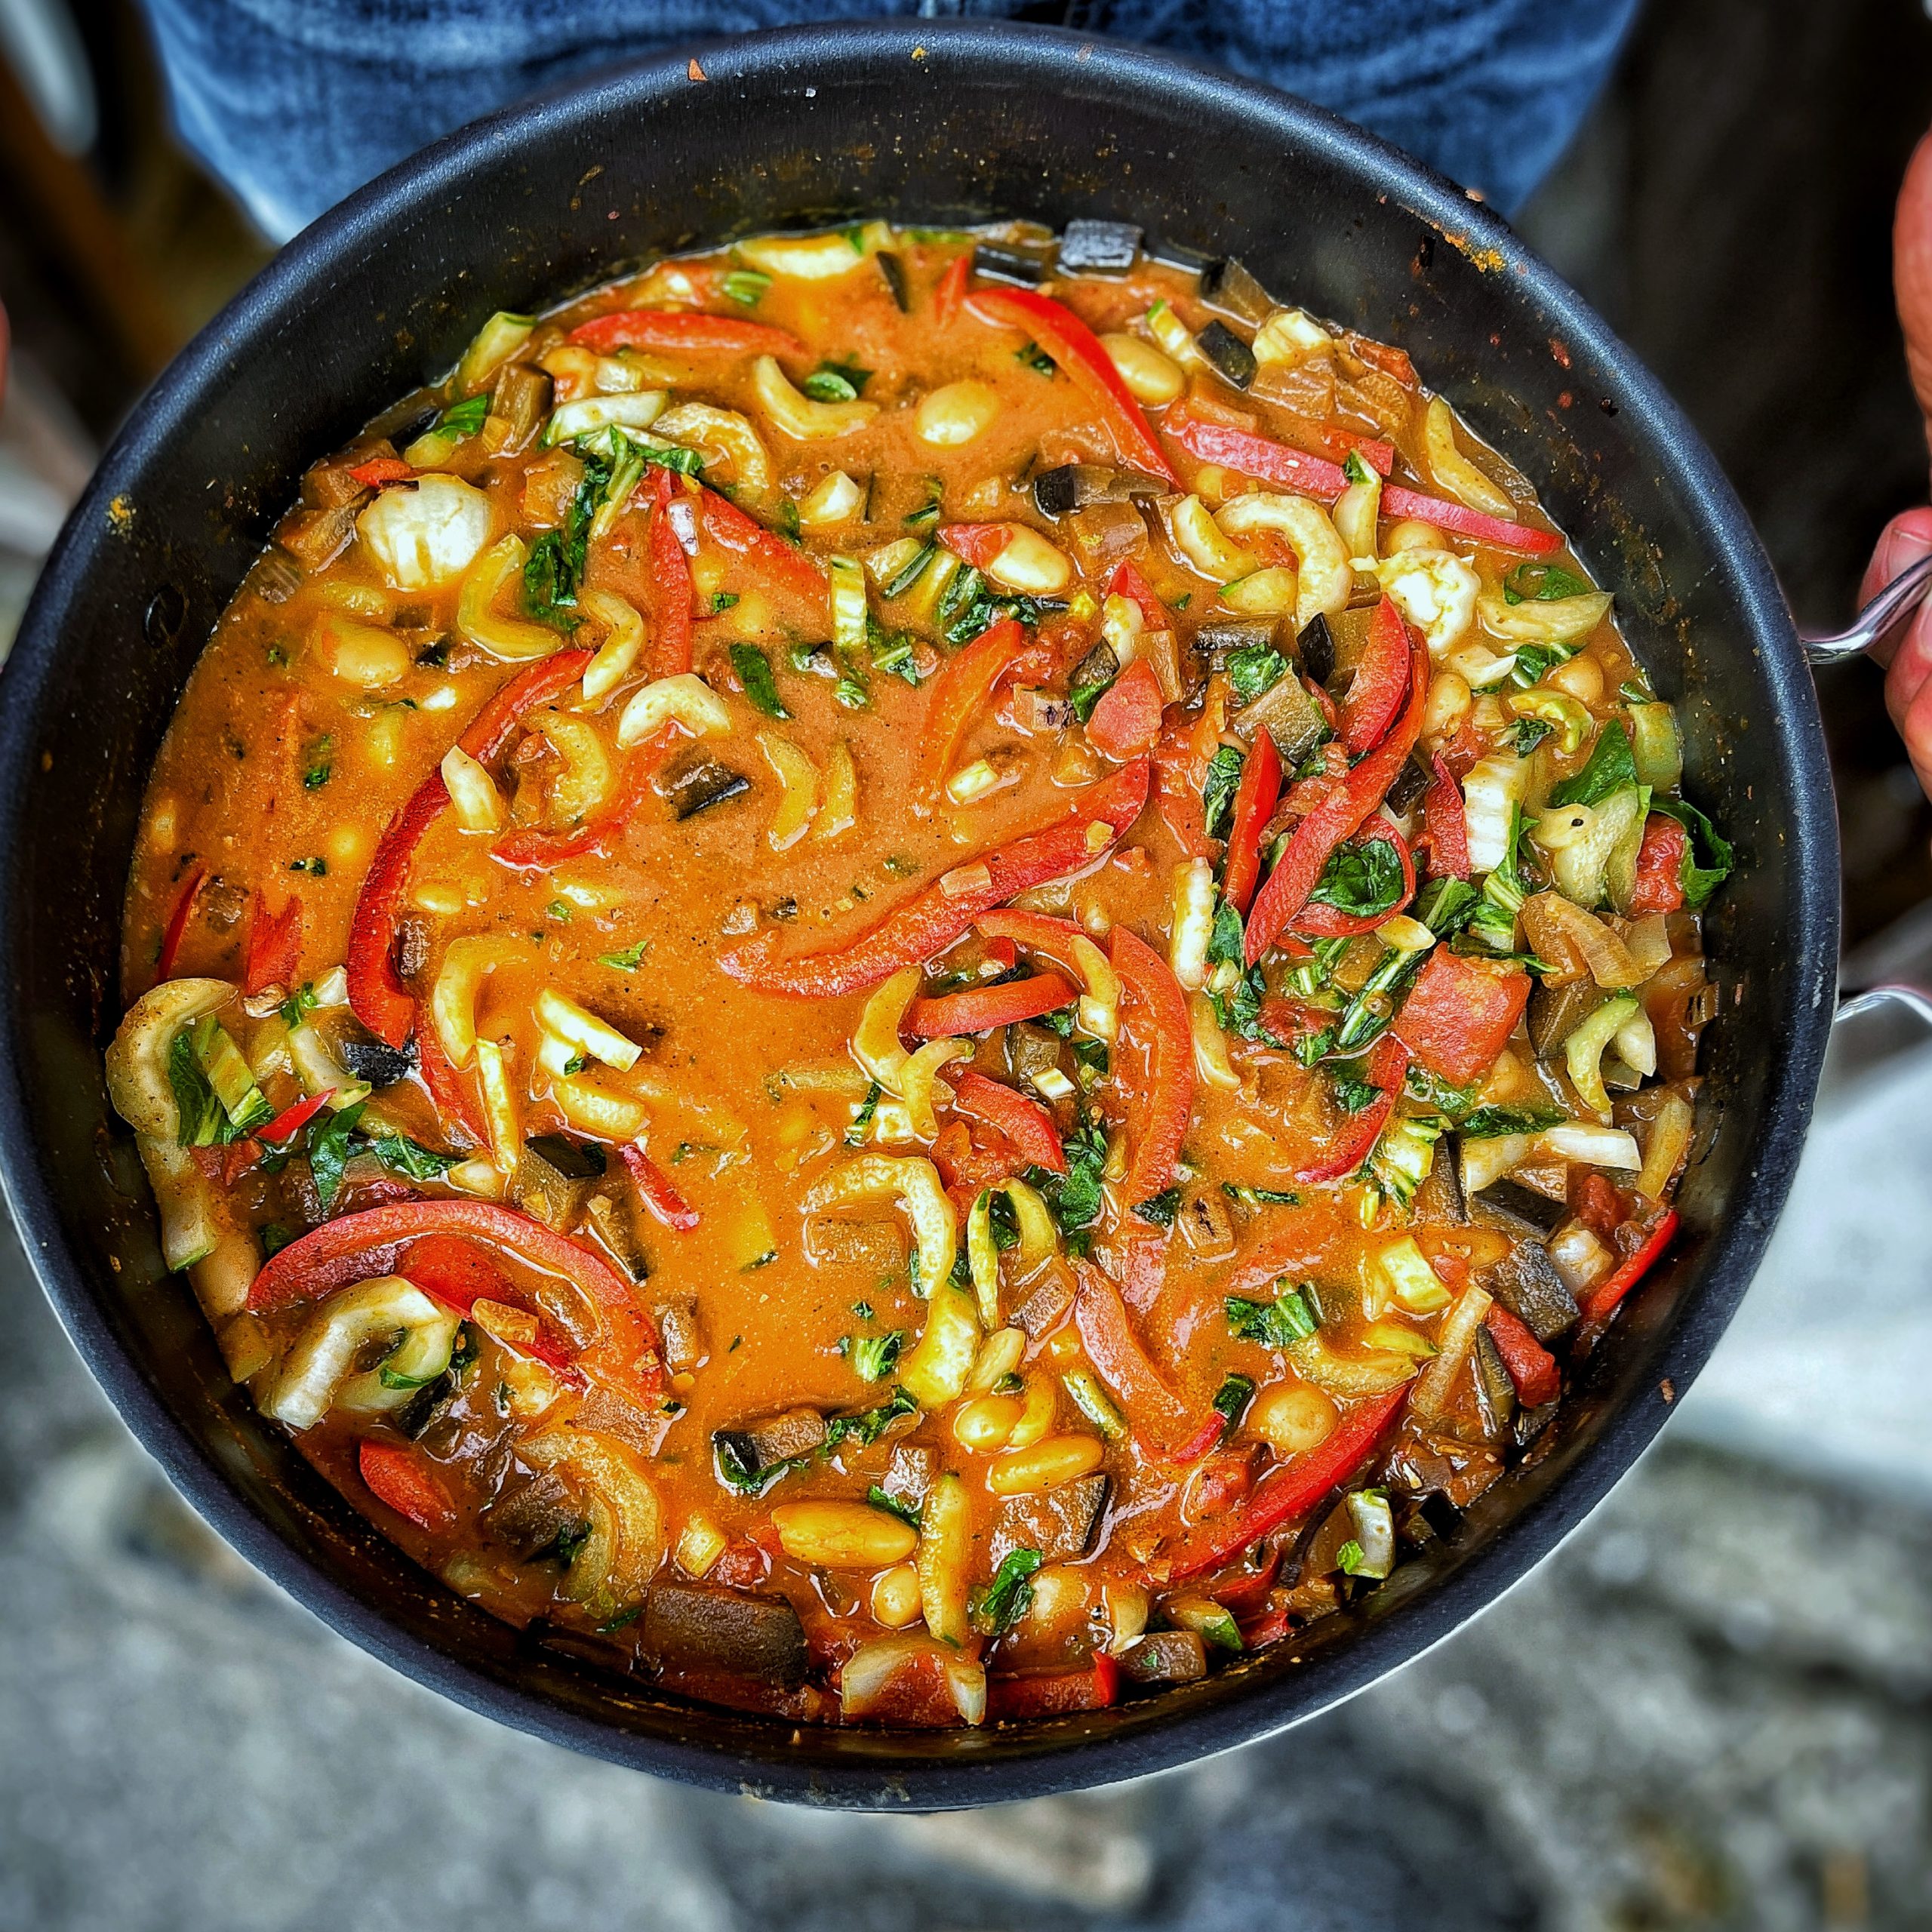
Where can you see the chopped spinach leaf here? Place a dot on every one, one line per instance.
(628, 960)
(331, 1149)
(1612, 767)
(1541, 583)
(1009, 1597)
(754, 670)
(1161, 1208)
(1526, 734)
(1253, 669)
(1363, 881)
(1276, 1324)
(893, 1505)
(1218, 790)
(872, 1356)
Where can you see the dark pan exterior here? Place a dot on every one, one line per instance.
(795, 128)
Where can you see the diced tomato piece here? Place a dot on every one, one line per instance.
(1459, 1014)
(1126, 723)
(401, 1477)
(1596, 1202)
(1659, 886)
(1531, 1366)
(1129, 581)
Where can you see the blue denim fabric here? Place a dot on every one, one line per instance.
(294, 102)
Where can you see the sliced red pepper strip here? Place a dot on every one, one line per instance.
(376, 995)
(1445, 825)
(445, 1087)
(356, 1247)
(1659, 886)
(1044, 932)
(1459, 1014)
(458, 1274)
(381, 469)
(1077, 350)
(1613, 1287)
(950, 290)
(1143, 1267)
(275, 944)
(529, 850)
(1156, 1003)
(1531, 1366)
(731, 529)
(1161, 1421)
(980, 544)
(1343, 811)
(1024, 1697)
(683, 331)
(963, 688)
(930, 921)
(1126, 723)
(177, 923)
(670, 584)
(1317, 920)
(1291, 1491)
(1129, 581)
(400, 1478)
(294, 1117)
(1332, 440)
(1256, 798)
(979, 1009)
(1254, 455)
(1387, 1067)
(1381, 681)
(1025, 1123)
(1398, 501)
(654, 1188)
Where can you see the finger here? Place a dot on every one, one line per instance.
(1915, 722)
(1912, 271)
(1902, 543)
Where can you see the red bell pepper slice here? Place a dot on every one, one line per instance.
(356, 1247)
(1256, 798)
(1025, 1123)
(1459, 1014)
(1156, 1002)
(1531, 1366)
(381, 469)
(1611, 1290)
(1282, 1250)
(1129, 581)
(980, 544)
(1289, 1491)
(1044, 932)
(1254, 455)
(445, 1087)
(1332, 440)
(950, 290)
(1077, 350)
(655, 1190)
(1659, 886)
(1319, 920)
(1161, 1421)
(294, 1117)
(1381, 680)
(681, 331)
(177, 923)
(1024, 1697)
(459, 1274)
(963, 688)
(1126, 723)
(1180, 771)
(1388, 1067)
(1343, 811)
(1398, 501)
(400, 1477)
(376, 995)
(980, 1009)
(1445, 827)
(1144, 1263)
(670, 583)
(274, 947)
(529, 850)
(930, 921)
(731, 529)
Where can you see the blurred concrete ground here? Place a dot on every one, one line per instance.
(1711, 1710)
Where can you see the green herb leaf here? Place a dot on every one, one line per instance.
(893, 1505)
(1349, 1558)
(1218, 789)
(754, 670)
(465, 418)
(855, 1134)
(1232, 1399)
(628, 960)
(747, 286)
(1036, 358)
(872, 1356)
(1363, 881)
(836, 382)
(1612, 767)
(1254, 669)
(1161, 1208)
(410, 1159)
(1526, 734)
(1708, 857)
(1276, 1324)
(331, 1150)
(1541, 583)
(319, 764)
(995, 1609)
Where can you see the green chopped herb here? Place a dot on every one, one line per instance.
(1262, 1197)
(1218, 789)
(1253, 669)
(722, 600)
(464, 418)
(575, 1064)
(747, 286)
(872, 1355)
(1541, 583)
(1363, 881)
(1161, 1208)
(628, 960)
(1349, 1558)
(1526, 734)
(855, 1134)
(995, 1609)
(1074, 1198)
(331, 1149)
(788, 519)
(1353, 1096)
(893, 1505)
(550, 583)
(1232, 1399)
(1036, 358)
(1276, 1324)
(754, 670)
(298, 1007)
(316, 771)
(410, 1159)
(836, 382)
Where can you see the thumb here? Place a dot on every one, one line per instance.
(1911, 272)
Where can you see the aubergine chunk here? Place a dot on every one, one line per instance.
(1166, 1656)
(706, 1627)
(1520, 1210)
(1059, 1523)
(527, 1520)
(747, 1451)
(1527, 1283)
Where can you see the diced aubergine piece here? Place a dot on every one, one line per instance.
(575, 1160)
(539, 1187)
(1555, 1012)
(1291, 717)
(1166, 1656)
(1496, 1393)
(1528, 1284)
(607, 1414)
(1522, 1210)
(613, 1218)
(1529, 1423)
(1077, 486)
(1316, 647)
(426, 1406)
(1219, 635)
(1059, 1523)
(1099, 666)
(894, 270)
(705, 1627)
(1230, 284)
(373, 1061)
(527, 1520)
(697, 786)
(1047, 1302)
(1099, 248)
(1409, 784)
(999, 264)
(1231, 359)
(1440, 1196)
(745, 1453)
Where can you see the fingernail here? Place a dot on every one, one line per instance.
(1903, 548)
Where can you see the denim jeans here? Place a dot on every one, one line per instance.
(294, 102)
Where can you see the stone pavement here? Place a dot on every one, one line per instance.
(1709, 1710)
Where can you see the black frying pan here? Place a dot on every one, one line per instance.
(931, 124)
